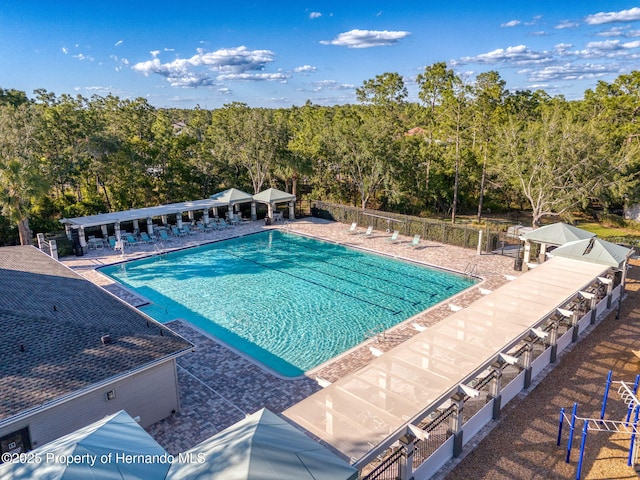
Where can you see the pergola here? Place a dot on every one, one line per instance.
(135, 215)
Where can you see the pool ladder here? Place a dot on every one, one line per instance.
(471, 269)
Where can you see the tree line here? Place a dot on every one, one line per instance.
(465, 146)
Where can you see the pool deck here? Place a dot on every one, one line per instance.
(218, 386)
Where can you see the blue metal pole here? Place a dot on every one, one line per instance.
(560, 426)
(582, 444)
(633, 437)
(606, 394)
(571, 430)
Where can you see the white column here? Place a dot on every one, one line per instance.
(215, 211)
(165, 220)
(270, 211)
(190, 213)
(149, 226)
(292, 210)
(117, 231)
(105, 232)
(179, 219)
(527, 256)
(136, 226)
(254, 214)
(83, 240)
(543, 253)
(205, 216)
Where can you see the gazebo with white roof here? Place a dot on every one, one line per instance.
(555, 235)
(233, 197)
(272, 196)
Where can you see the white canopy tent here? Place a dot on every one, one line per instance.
(376, 403)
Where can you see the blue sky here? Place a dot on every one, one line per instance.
(282, 53)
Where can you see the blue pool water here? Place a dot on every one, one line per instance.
(288, 301)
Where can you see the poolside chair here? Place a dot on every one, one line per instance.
(146, 238)
(177, 232)
(414, 243)
(164, 236)
(112, 242)
(222, 224)
(394, 238)
(368, 232)
(202, 229)
(186, 228)
(353, 229)
(131, 240)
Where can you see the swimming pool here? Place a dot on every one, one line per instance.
(290, 302)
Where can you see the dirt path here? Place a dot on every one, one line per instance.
(522, 445)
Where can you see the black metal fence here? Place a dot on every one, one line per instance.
(495, 236)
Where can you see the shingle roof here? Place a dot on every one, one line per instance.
(51, 324)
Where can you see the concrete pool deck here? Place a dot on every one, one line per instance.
(218, 387)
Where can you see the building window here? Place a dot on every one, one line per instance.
(110, 395)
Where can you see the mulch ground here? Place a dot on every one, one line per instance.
(522, 445)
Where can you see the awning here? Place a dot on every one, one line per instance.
(363, 409)
(141, 213)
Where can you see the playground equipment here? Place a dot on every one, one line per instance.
(627, 393)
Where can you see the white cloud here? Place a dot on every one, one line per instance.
(609, 17)
(512, 23)
(518, 55)
(82, 57)
(118, 43)
(562, 48)
(65, 50)
(609, 49)
(315, 15)
(568, 71)
(304, 69)
(613, 32)
(331, 85)
(229, 63)
(254, 76)
(367, 38)
(566, 24)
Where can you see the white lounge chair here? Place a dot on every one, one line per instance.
(415, 242)
(394, 238)
(368, 232)
(353, 229)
